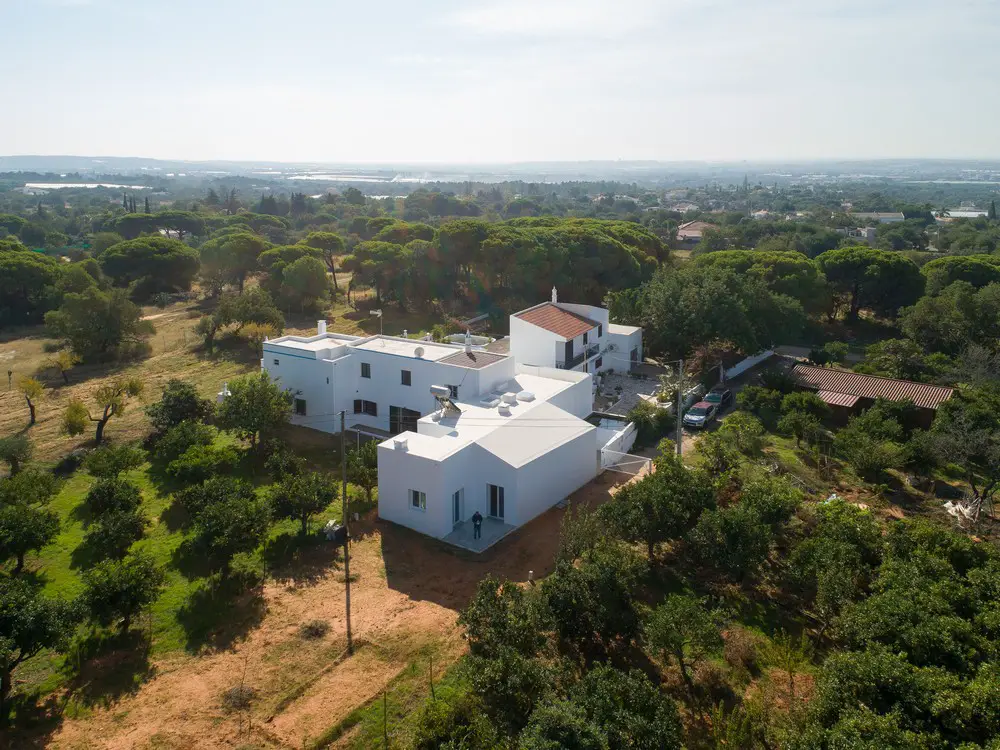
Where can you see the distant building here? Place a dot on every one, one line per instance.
(689, 234)
(860, 234)
(880, 217)
(849, 392)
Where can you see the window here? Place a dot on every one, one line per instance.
(597, 363)
(600, 330)
(496, 500)
(275, 363)
(402, 419)
(586, 336)
(366, 370)
(300, 407)
(418, 500)
(454, 390)
(365, 407)
(404, 377)
(328, 381)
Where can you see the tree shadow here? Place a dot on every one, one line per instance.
(219, 613)
(33, 721)
(109, 666)
(175, 516)
(86, 555)
(294, 558)
(192, 562)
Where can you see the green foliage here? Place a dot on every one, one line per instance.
(27, 287)
(959, 314)
(788, 273)
(29, 623)
(305, 285)
(977, 270)
(25, 527)
(687, 307)
(181, 437)
(763, 403)
(219, 489)
(154, 264)
(231, 259)
(199, 462)
(112, 495)
(111, 461)
(733, 541)
(100, 326)
(502, 617)
(807, 402)
(509, 686)
(802, 425)
(902, 359)
(178, 403)
(362, 467)
(114, 532)
(117, 590)
(682, 630)
(16, 451)
(302, 495)
(558, 725)
(592, 603)
(661, 506)
(873, 279)
(232, 524)
(255, 408)
(253, 306)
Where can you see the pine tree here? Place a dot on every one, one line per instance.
(125, 201)
(992, 213)
(147, 205)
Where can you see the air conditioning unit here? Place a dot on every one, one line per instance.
(510, 398)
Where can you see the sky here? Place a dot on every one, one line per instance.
(493, 81)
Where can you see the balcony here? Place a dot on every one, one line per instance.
(591, 351)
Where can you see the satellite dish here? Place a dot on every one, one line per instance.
(418, 352)
(612, 347)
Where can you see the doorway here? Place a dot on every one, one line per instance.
(457, 507)
(496, 501)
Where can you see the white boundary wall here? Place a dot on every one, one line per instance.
(741, 367)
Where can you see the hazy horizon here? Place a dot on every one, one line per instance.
(502, 82)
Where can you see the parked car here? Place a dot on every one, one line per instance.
(700, 414)
(720, 396)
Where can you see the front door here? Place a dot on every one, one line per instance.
(457, 507)
(496, 501)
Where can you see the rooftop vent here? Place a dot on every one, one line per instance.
(510, 398)
(525, 396)
(504, 410)
(400, 443)
(320, 327)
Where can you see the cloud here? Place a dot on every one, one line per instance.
(569, 18)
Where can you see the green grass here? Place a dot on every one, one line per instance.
(404, 698)
(189, 616)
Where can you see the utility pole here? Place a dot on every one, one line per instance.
(679, 407)
(347, 528)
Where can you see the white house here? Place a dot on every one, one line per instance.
(573, 337)
(504, 434)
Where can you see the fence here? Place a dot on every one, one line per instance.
(625, 463)
(741, 367)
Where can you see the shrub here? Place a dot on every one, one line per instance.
(180, 402)
(112, 496)
(741, 650)
(110, 461)
(314, 629)
(199, 462)
(180, 438)
(764, 403)
(776, 379)
(115, 532)
(239, 698)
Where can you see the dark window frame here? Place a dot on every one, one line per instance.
(406, 377)
(366, 370)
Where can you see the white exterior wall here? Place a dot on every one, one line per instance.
(311, 379)
(532, 345)
(552, 477)
(619, 359)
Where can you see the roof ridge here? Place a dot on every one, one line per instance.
(875, 377)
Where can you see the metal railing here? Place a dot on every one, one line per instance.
(591, 351)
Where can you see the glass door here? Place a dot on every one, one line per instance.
(496, 501)
(457, 507)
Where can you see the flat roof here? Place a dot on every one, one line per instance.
(407, 347)
(539, 424)
(312, 343)
(477, 359)
(621, 330)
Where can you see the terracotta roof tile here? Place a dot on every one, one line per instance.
(558, 321)
(871, 386)
(838, 399)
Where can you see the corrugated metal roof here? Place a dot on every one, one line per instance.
(838, 399)
(561, 322)
(871, 386)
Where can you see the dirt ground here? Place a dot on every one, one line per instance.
(405, 595)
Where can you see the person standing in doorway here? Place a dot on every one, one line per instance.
(477, 525)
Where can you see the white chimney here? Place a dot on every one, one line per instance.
(321, 327)
(555, 295)
(405, 336)
(468, 341)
